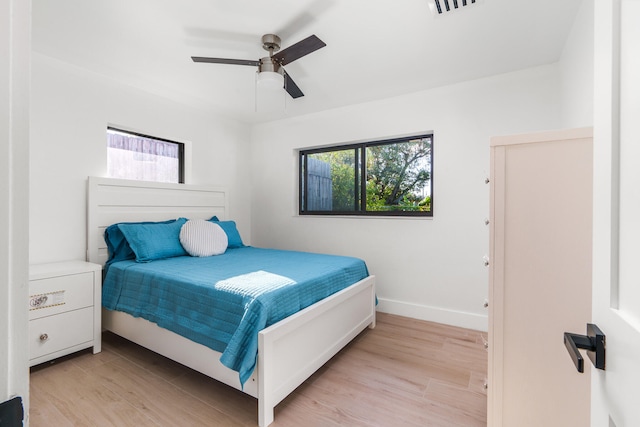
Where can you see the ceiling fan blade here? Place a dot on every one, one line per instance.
(298, 50)
(291, 87)
(225, 61)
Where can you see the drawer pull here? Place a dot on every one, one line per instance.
(38, 301)
(44, 337)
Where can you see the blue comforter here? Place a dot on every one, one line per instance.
(223, 301)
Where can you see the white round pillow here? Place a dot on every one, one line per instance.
(203, 238)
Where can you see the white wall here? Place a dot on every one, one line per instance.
(71, 109)
(15, 27)
(425, 268)
(576, 65)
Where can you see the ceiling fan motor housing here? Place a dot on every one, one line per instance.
(270, 43)
(268, 64)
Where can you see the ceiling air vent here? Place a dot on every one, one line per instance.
(441, 7)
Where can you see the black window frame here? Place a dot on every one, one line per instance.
(180, 145)
(360, 179)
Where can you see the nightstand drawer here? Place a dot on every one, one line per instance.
(64, 309)
(55, 333)
(60, 294)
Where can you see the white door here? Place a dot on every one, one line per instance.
(616, 234)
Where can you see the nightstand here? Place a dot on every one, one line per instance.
(64, 309)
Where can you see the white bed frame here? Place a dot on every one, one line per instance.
(288, 352)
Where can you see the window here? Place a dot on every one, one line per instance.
(146, 158)
(391, 178)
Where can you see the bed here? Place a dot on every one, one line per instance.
(288, 351)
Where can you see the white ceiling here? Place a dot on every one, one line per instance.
(375, 48)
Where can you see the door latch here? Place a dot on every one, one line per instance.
(594, 342)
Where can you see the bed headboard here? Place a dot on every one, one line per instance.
(118, 200)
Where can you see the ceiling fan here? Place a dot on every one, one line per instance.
(276, 60)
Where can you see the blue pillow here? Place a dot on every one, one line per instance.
(117, 245)
(229, 227)
(153, 241)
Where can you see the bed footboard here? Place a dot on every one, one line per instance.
(290, 351)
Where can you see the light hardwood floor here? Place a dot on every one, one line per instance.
(405, 372)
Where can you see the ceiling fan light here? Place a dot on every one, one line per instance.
(270, 93)
(270, 79)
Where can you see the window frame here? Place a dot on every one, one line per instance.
(180, 145)
(360, 178)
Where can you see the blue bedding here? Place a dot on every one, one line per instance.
(223, 301)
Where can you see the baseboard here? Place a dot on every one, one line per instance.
(461, 319)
